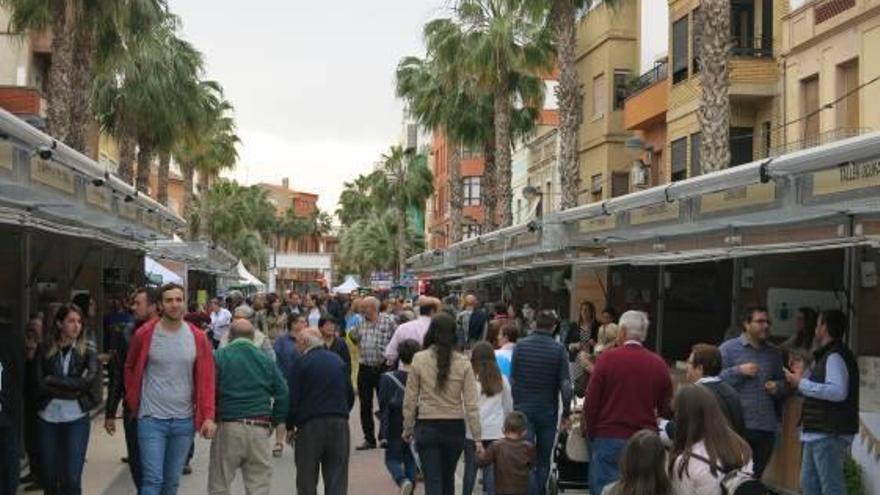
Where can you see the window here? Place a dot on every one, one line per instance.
(695, 40)
(680, 50)
(810, 108)
(621, 78)
(696, 166)
(741, 145)
(470, 231)
(599, 96)
(471, 186)
(596, 187)
(679, 159)
(619, 184)
(847, 109)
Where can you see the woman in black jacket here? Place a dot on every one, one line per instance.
(68, 381)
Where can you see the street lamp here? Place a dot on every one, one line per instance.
(531, 193)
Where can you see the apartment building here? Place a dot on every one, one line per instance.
(607, 59)
(301, 264)
(830, 77)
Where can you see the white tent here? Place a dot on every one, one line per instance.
(156, 270)
(346, 287)
(247, 278)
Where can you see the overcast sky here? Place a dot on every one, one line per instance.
(313, 82)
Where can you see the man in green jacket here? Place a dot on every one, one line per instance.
(252, 398)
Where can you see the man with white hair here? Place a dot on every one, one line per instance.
(629, 387)
(372, 337)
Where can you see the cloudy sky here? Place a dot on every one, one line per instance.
(312, 82)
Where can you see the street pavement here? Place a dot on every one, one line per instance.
(106, 474)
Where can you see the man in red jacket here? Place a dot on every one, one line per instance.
(169, 386)
(629, 388)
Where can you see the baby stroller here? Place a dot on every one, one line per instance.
(569, 464)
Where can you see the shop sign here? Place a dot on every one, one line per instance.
(100, 197)
(52, 174)
(7, 155)
(598, 224)
(739, 197)
(657, 213)
(527, 239)
(127, 210)
(847, 177)
(151, 221)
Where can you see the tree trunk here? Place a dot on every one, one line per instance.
(713, 37)
(126, 158)
(570, 99)
(456, 200)
(502, 154)
(60, 78)
(144, 163)
(188, 178)
(204, 182)
(489, 187)
(80, 104)
(401, 241)
(162, 179)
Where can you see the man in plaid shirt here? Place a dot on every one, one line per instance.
(371, 336)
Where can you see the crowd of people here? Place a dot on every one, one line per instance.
(452, 381)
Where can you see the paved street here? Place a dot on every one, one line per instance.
(106, 474)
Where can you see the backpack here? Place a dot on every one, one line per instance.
(736, 481)
(396, 401)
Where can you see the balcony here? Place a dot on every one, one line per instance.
(648, 99)
(819, 139)
(742, 46)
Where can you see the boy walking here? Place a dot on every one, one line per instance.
(392, 385)
(513, 457)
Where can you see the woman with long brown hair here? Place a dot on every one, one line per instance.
(704, 448)
(496, 402)
(642, 469)
(69, 386)
(442, 386)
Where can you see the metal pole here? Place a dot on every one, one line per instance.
(661, 294)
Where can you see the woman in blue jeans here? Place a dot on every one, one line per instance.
(69, 386)
(442, 387)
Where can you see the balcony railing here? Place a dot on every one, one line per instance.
(742, 46)
(658, 73)
(819, 139)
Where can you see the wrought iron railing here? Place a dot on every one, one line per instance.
(818, 140)
(657, 74)
(743, 46)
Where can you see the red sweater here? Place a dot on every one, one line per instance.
(203, 378)
(630, 387)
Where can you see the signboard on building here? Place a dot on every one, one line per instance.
(598, 224)
(100, 197)
(53, 174)
(847, 177)
(656, 213)
(381, 280)
(739, 197)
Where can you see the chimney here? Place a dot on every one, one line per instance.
(285, 183)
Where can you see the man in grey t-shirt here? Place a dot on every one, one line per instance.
(170, 386)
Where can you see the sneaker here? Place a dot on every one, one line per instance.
(366, 446)
(406, 488)
(187, 469)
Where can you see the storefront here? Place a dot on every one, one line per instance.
(67, 228)
(801, 230)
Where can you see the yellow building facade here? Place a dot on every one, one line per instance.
(831, 70)
(756, 111)
(607, 59)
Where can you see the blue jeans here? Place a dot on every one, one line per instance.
(604, 462)
(469, 478)
(9, 462)
(822, 467)
(164, 445)
(543, 421)
(399, 461)
(63, 452)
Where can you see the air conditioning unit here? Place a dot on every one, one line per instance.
(639, 174)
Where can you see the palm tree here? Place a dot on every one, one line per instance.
(713, 37)
(500, 40)
(402, 184)
(83, 33)
(355, 202)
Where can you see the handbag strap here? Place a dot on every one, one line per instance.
(396, 381)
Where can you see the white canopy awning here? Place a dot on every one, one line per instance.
(350, 284)
(247, 278)
(158, 272)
